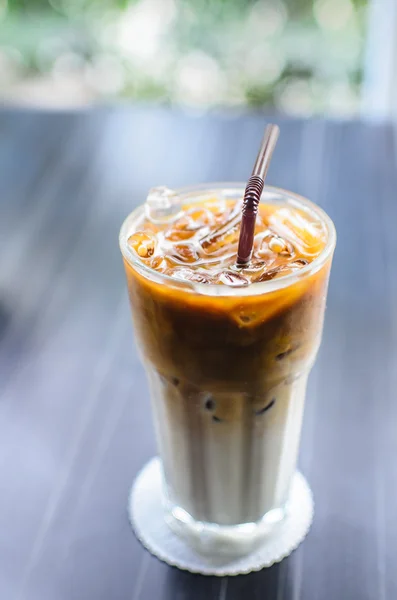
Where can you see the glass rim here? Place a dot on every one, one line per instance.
(263, 287)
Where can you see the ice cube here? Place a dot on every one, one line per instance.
(286, 269)
(159, 263)
(186, 274)
(185, 253)
(189, 223)
(200, 217)
(255, 265)
(182, 273)
(270, 274)
(298, 264)
(219, 243)
(217, 205)
(299, 229)
(232, 279)
(200, 277)
(225, 234)
(182, 229)
(162, 205)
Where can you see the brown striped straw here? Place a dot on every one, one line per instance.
(253, 193)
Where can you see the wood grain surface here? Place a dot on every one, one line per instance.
(75, 424)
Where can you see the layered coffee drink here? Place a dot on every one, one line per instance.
(227, 351)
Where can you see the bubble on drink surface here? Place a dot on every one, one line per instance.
(270, 244)
(143, 243)
(163, 205)
(280, 246)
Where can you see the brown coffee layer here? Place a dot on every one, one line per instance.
(224, 343)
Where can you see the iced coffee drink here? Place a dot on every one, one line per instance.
(227, 351)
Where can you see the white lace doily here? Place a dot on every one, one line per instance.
(147, 518)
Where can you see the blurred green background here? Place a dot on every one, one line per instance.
(298, 56)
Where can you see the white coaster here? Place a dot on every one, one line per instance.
(147, 518)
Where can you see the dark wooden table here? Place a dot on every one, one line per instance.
(75, 424)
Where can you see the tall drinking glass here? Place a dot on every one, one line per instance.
(227, 369)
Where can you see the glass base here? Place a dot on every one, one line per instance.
(146, 513)
(222, 540)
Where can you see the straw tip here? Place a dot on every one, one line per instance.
(272, 130)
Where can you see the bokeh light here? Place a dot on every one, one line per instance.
(301, 58)
(333, 14)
